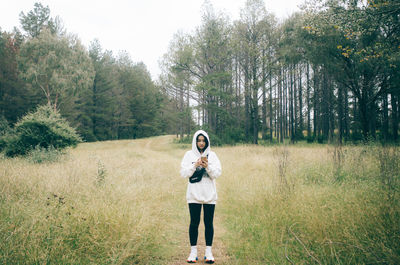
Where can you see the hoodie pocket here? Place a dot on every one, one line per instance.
(203, 191)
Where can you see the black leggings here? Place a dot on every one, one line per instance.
(195, 211)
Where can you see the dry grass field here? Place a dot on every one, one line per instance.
(123, 202)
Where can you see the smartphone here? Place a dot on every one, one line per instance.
(203, 158)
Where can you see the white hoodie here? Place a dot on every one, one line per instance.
(205, 190)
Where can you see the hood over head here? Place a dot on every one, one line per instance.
(194, 143)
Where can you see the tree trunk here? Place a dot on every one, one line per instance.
(270, 106)
(325, 106)
(395, 116)
(264, 100)
(308, 102)
(372, 113)
(255, 106)
(300, 103)
(285, 104)
(340, 113)
(203, 104)
(291, 106)
(315, 97)
(246, 107)
(295, 105)
(385, 118)
(238, 92)
(331, 112)
(363, 107)
(281, 107)
(93, 116)
(181, 103)
(346, 113)
(189, 114)
(177, 111)
(366, 106)
(355, 115)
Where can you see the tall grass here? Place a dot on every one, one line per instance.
(316, 219)
(107, 203)
(123, 202)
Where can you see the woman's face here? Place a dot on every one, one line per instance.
(201, 142)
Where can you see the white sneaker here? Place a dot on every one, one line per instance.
(209, 259)
(192, 257)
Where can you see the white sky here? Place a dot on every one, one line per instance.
(143, 28)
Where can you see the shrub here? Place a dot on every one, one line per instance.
(3, 143)
(43, 128)
(299, 135)
(235, 135)
(4, 127)
(5, 130)
(185, 140)
(310, 139)
(41, 155)
(214, 139)
(356, 137)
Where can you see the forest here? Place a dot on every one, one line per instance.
(329, 73)
(262, 87)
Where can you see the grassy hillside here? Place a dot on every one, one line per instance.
(123, 202)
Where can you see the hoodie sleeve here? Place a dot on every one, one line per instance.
(187, 167)
(214, 169)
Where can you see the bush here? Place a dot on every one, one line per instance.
(356, 137)
(310, 139)
(185, 140)
(44, 128)
(4, 127)
(214, 139)
(235, 135)
(3, 143)
(41, 155)
(298, 135)
(5, 130)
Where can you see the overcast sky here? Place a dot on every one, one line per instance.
(143, 28)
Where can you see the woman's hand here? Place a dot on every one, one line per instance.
(202, 163)
(198, 162)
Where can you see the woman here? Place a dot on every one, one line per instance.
(202, 193)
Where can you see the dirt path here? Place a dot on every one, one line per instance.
(219, 249)
(181, 226)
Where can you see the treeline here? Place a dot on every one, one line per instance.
(328, 73)
(102, 95)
